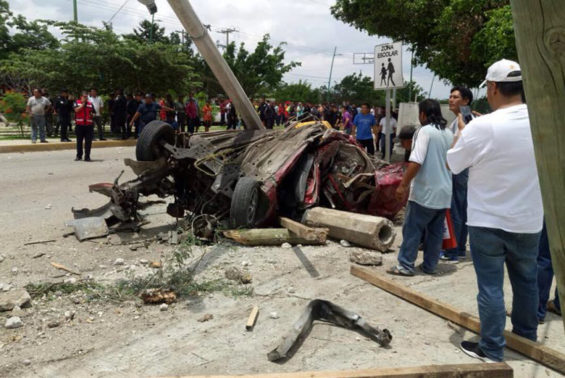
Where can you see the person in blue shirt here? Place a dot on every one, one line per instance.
(147, 112)
(364, 126)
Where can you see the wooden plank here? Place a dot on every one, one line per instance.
(252, 318)
(303, 231)
(540, 40)
(62, 267)
(536, 351)
(498, 370)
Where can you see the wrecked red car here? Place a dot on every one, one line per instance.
(251, 177)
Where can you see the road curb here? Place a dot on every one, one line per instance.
(60, 146)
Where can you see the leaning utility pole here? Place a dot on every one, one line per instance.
(218, 65)
(540, 39)
(227, 32)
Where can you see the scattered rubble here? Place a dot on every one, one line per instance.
(53, 324)
(14, 322)
(157, 296)
(164, 307)
(366, 257)
(206, 318)
(234, 274)
(15, 298)
(119, 261)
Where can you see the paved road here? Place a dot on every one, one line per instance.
(38, 190)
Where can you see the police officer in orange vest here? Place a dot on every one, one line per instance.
(84, 113)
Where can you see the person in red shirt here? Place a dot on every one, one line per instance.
(207, 116)
(84, 114)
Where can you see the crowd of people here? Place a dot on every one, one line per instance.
(128, 115)
(482, 169)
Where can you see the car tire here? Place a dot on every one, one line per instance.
(148, 147)
(245, 203)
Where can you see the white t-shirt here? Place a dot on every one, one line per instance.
(97, 103)
(503, 189)
(392, 123)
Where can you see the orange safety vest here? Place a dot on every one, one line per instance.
(84, 116)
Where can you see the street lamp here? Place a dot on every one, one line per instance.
(150, 4)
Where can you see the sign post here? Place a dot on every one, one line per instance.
(388, 75)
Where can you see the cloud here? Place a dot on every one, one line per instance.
(307, 26)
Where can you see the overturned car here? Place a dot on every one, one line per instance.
(249, 178)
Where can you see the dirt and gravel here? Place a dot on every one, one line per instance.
(89, 325)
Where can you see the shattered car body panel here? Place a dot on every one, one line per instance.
(305, 165)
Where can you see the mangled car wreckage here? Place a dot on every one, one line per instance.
(251, 177)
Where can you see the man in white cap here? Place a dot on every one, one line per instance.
(505, 214)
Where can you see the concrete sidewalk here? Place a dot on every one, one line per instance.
(54, 144)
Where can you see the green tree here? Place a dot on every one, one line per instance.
(5, 37)
(31, 35)
(457, 39)
(357, 89)
(143, 33)
(300, 92)
(260, 72)
(92, 57)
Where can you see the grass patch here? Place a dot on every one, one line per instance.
(47, 288)
(181, 282)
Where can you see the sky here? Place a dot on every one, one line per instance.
(307, 26)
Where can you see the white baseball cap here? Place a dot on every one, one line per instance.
(500, 70)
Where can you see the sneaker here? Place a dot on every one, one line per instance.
(472, 349)
(78, 158)
(87, 159)
(44, 141)
(445, 257)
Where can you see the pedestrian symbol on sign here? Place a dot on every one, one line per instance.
(388, 66)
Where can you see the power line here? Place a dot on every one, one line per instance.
(118, 11)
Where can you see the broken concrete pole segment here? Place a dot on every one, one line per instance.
(364, 230)
(268, 236)
(328, 312)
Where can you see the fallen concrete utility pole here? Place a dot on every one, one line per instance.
(540, 40)
(218, 65)
(269, 236)
(498, 370)
(364, 230)
(328, 312)
(537, 352)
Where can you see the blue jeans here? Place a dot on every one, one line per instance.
(491, 248)
(37, 127)
(420, 220)
(545, 276)
(459, 214)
